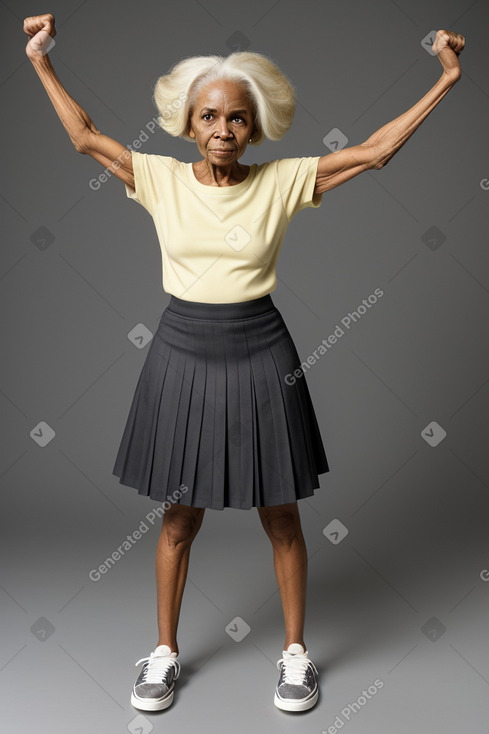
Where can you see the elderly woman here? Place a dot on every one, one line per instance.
(214, 422)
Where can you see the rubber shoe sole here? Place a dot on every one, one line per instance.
(152, 704)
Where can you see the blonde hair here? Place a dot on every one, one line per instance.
(271, 93)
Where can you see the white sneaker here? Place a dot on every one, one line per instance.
(297, 688)
(154, 686)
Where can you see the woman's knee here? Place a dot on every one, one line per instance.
(281, 523)
(181, 524)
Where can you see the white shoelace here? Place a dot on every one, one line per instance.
(158, 667)
(295, 668)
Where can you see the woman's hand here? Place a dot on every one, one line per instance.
(447, 46)
(41, 29)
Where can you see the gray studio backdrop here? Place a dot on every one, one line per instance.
(397, 533)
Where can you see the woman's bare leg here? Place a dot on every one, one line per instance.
(283, 526)
(180, 525)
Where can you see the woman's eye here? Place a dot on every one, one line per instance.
(209, 114)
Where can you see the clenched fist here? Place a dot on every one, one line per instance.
(41, 30)
(447, 46)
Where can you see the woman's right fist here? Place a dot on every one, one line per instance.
(41, 30)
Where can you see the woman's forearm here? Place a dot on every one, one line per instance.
(389, 138)
(74, 118)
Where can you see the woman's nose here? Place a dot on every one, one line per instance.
(223, 128)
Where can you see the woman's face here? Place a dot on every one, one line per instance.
(222, 118)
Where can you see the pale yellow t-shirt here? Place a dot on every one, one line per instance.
(221, 244)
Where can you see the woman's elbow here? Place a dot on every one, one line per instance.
(79, 145)
(380, 157)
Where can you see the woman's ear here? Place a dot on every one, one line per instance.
(188, 128)
(254, 130)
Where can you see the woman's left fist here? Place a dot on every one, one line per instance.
(447, 46)
(447, 38)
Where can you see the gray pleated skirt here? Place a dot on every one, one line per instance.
(216, 419)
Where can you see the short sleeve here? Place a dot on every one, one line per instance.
(150, 174)
(296, 179)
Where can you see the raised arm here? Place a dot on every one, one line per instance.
(83, 134)
(340, 166)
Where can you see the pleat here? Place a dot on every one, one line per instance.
(205, 488)
(164, 420)
(210, 474)
(134, 458)
(221, 454)
(269, 423)
(181, 439)
(241, 440)
(163, 481)
(313, 441)
(193, 422)
(297, 409)
(287, 434)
